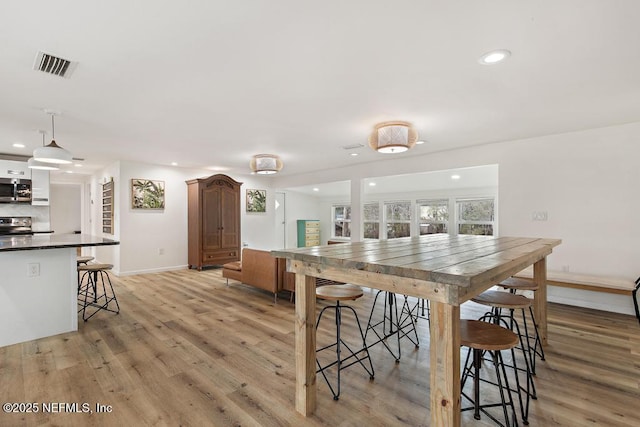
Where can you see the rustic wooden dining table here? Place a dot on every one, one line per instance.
(447, 270)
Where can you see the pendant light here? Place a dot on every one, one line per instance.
(34, 164)
(52, 153)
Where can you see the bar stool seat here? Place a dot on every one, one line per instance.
(359, 354)
(518, 284)
(80, 260)
(480, 336)
(502, 300)
(90, 294)
(84, 259)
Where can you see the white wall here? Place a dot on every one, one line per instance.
(585, 181)
(156, 240)
(258, 229)
(65, 209)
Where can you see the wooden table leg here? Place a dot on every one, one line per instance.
(540, 298)
(305, 337)
(445, 364)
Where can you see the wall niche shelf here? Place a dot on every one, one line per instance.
(107, 207)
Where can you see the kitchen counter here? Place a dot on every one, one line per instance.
(51, 241)
(38, 285)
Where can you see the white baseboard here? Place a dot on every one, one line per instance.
(151, 270)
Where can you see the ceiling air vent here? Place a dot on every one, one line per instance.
(54, 65)
(353, 146)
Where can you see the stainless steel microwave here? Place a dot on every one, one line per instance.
(15, 190)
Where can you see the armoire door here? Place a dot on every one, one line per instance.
(229, 213)
(211, 220)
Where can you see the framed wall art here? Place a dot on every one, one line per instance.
(256, 200)
(147, 194)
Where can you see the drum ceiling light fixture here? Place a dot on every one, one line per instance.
(393, 137)
(265, 164)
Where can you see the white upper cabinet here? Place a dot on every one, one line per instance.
(39, 187)
(14, 169)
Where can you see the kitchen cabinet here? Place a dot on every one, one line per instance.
(14, 169)
(213, 221)
(308, 233)
(40, 187)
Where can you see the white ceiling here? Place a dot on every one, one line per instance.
(210, 83)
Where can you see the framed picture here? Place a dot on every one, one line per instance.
(147, 194)
(256, 200)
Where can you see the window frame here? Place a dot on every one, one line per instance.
(459, 221)
(386, 221)
(344, 221)
(446, 201)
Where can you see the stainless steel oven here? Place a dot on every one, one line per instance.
(15, 190)
(17, 225)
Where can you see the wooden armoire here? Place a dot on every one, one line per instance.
(214, 221)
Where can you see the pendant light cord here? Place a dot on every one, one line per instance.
(53, 128)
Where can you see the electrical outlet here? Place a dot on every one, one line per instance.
(539, 216)
(33, 269)
(160, 251)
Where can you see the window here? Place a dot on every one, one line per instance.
(372, 220)
(433, 216)
(476, 216)
(342, 221)
(398, 219)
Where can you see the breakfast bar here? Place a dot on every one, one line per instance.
(447, 270)
(38, 284)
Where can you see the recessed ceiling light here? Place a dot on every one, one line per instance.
(18, 145)
(455, 177)
(354, 154)
(174, 164)
(78, 165)
(494, 57)
(316, 189)
(419, 142)
(372, 184)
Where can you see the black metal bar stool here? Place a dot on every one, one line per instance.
(498, 301)
(513, 285)
(339, 293)
(481, 336)
(93, 277)
(399, 323)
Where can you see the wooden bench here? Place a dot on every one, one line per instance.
(592, 283)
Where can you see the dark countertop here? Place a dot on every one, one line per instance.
(52, 241)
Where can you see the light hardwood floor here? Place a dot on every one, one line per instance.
(188, 350)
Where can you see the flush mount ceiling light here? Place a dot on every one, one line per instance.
(266, 164)
(34, 164)
(393, 137)
(52, 153)
(494, 57)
